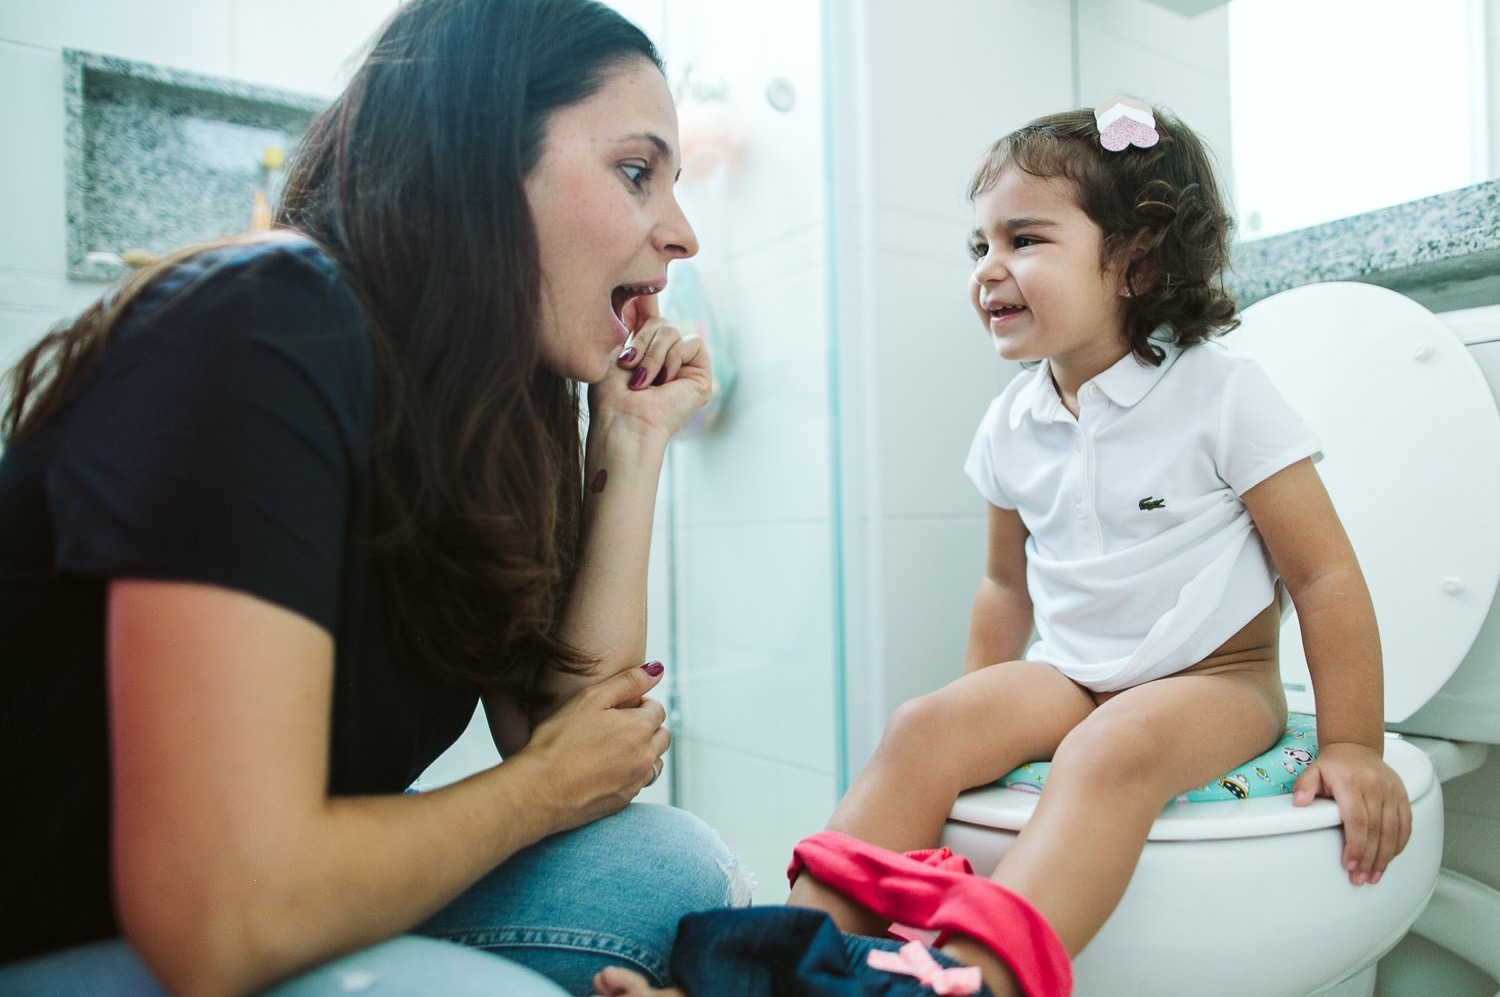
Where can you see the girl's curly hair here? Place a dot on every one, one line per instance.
(1160, 210)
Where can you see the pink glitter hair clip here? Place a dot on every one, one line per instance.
(1125, 121)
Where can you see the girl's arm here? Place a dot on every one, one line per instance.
(1001, 622)
(232, 866)
(1297, 520)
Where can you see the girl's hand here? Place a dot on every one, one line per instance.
(1372, 802)
(601, 747)
(660, 379)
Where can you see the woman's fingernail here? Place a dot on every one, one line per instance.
(628, 355)
(638, 379)
(1374, 878)
(653, 668)
(661, 376)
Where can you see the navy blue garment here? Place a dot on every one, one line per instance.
(222, 437)
(783, 952)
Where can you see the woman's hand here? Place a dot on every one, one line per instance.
(602, 746)
(1372, 802)
(660, 379)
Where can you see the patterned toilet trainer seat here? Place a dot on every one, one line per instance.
(1270, 773)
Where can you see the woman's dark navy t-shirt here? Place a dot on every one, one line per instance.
(223, 437)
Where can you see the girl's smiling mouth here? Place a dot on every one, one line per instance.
(1000, 314)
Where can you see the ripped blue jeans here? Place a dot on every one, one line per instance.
(542, 923)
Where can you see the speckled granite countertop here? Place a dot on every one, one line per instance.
(1440, 239)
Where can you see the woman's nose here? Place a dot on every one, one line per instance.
(675, 236)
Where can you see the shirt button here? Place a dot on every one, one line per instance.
(1080, 511)
(1077, 444)
(1093, 391)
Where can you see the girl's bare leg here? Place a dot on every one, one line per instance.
(969, 732)
(1110, 779)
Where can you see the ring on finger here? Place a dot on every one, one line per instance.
(656, 768)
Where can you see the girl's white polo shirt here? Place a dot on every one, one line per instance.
(1141, 558)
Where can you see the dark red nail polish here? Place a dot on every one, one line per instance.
(597, 485)
(638, 379)
(628, 355)
(661, 376)
(653, 668)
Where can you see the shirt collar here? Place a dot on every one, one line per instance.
(1130, 380)
(1125, 384)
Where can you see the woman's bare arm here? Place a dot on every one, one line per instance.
(233, 867)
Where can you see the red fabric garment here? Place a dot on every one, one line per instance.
(936, 889)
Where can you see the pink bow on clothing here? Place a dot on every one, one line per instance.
(913, 959)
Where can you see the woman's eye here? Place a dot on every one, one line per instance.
(636, 173)
(977, 251)
(1022, 241)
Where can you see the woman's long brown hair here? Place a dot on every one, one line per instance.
(413, 182)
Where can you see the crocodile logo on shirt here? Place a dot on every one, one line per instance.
(1148, 503)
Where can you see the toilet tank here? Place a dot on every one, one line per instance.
(1467, 707)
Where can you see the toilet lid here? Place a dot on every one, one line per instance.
(1411, 443)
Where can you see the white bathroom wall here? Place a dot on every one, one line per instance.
(752, 527)
(929, 87)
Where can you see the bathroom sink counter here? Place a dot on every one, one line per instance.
(1442, 240)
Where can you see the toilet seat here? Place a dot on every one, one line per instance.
(1009, 809)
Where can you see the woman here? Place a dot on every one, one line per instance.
(277, 512)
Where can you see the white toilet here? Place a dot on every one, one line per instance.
(1247, 897)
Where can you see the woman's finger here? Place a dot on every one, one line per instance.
(640, 310)
(653, 345)
(626, 688)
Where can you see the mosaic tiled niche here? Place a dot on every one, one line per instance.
(158, 158)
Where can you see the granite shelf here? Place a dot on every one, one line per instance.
(158, 158)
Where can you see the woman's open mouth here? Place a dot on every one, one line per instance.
(623, 295)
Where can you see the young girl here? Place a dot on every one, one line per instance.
(1146, 491)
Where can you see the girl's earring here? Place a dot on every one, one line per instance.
(1128, 292)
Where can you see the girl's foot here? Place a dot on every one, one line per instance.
(617, 981)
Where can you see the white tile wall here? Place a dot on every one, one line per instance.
(767, 459)
(777, 187)
(38, 24)
(933, 565)
(762, 808)
(318, 56)
(1472, 813)
(31, 171)
(1144, 29)
(754, 614)
(754, 607)
(185, 34)
(935, 374)
(946, 80)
